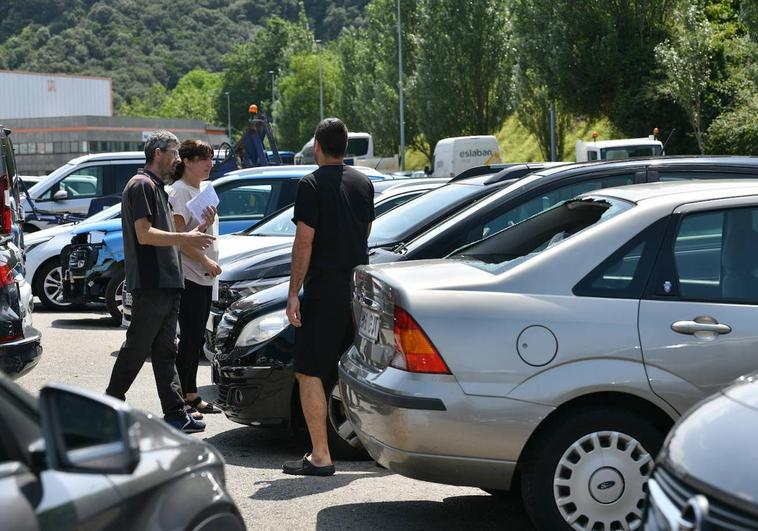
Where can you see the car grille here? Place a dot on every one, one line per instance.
(720, 515)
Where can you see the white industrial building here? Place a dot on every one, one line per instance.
(57, 117)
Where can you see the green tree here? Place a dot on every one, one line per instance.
(297, 107)
(533, 112)
(686, 61)
(369, 99)
(462, 84)
(247, 66)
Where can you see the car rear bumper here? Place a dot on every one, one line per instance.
(21, 356)
(423, 426)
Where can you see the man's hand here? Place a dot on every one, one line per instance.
(209, 216)
(195, 239)
(293, 311)
(212, 269)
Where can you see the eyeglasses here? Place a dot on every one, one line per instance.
(175, 151)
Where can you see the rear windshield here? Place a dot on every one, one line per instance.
(518, 243)
(629, 152)
(405, 220)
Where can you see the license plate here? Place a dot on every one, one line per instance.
(369, 324)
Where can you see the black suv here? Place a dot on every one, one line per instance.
(20, 347)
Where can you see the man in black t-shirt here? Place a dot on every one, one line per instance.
(334, 209)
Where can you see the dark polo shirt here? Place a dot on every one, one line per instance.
(148, 266)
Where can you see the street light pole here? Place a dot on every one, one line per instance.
(271, 111)
(400, 88)
(320, 81)
(228, 117)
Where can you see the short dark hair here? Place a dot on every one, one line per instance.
(331, 135)
(158, 140)
(192, 149)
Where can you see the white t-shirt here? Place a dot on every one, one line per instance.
(179, 193)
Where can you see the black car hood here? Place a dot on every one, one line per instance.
(261, 263)
(713, 446)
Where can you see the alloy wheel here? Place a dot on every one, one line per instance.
(599, 483)
(53, 287)
(339, 420)
(119, 297)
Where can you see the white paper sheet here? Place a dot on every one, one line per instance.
(197, 205)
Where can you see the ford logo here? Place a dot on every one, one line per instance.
(605, 485)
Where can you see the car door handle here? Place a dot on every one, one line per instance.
(701, 326)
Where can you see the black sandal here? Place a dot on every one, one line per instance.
(303, 467)
(208, 408)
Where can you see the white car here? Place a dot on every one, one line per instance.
(43, 252)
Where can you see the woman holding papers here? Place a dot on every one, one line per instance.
(201, 268)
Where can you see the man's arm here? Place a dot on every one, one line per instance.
(149, 235)
(301, 259)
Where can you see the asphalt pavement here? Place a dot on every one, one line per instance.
(80, 348)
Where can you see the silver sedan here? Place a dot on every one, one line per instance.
(551, 358)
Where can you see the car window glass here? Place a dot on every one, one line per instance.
(82, 183)
(86, 423)
(244, 201)
(550, 228)
(120, 175)
(673, 175)
(406, 218)
(499, 220)
(715, 257)
(393, 202)
(280, 225)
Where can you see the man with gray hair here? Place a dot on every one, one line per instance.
(155, 279)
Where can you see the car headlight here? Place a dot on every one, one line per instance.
(262, 328)
(28, 246)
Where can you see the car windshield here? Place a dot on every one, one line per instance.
(279, 225)
(518, 243)
(404, 220)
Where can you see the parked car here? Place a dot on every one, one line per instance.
(80, 460)
(71, 188)
(20, 344)
(560, 350)
(705, 473)
(43, 257)
(92, 266)
(237, 357)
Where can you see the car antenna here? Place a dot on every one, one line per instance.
(667, 140)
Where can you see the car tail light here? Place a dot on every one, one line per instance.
(415, 352)
(7, 277)
(5, 215)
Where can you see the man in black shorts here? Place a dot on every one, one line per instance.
(334, 209)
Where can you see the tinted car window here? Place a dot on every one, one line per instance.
(405, 219)
(280, 225)
(713, 258)
(86, 423)
(674, 175)
(244, 200)
(394, 202)
(82, 183)
(119, 176)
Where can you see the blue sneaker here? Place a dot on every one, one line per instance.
(185, 423)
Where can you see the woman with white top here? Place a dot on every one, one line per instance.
(201, 269)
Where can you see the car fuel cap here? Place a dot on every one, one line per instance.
(537, 345)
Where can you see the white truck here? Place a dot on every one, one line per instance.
(455, 154)
(624, 148)
(360, 152)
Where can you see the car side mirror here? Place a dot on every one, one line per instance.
(88, 432)
(60, 195)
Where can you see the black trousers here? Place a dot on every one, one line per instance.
(193, 314)
(152, 332)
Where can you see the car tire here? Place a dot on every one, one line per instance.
(343, 441)
(48, 285)
(591, 469)
(114, 297)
